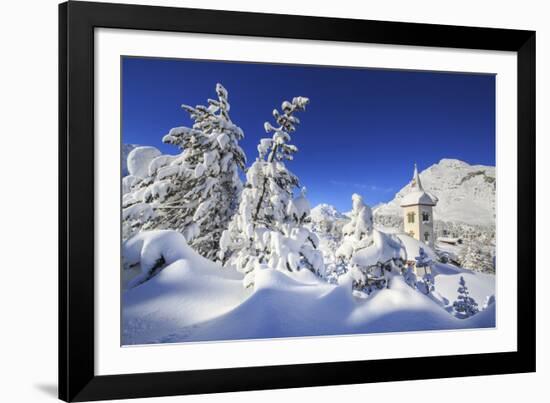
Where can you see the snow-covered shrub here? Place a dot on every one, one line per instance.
(197, 191)
(465, 306)
(269, 228)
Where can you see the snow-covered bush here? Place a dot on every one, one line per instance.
(465, 306)
(269, 228)
(197, 191)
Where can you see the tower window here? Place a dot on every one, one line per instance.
(426, 236)
(410, 217)
(425, 216)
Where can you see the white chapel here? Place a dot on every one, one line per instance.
(418, 211)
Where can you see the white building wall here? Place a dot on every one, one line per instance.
(419, 227)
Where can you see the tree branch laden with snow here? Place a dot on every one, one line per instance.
(269, 229)
(197, 191)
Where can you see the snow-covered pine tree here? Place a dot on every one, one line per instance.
(465, 306)
(357, 231)
(424, 263)
(197, 192)
(357, 235)
(269, 230)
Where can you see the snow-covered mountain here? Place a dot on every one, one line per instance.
(326, 212)
(466, 193)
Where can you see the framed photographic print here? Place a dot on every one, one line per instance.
(258, 201)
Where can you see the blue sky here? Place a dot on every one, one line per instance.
(361, 133)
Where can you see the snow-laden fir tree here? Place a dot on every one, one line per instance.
(269, 229)
(357, 232)
(358, 235)
(424, 267)
(197, 191)
(465, 306)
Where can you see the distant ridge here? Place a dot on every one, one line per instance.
(466, 193)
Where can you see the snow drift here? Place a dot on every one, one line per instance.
(190, 298)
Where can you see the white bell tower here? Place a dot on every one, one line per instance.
(418, 211)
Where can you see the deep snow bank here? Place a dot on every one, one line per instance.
(194, 299)
(187, 291)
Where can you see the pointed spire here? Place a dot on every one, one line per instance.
(415, 183)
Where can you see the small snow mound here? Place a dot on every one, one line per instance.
(273, 279)
(147, 248)
(139, 160)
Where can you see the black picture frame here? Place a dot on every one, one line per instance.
(77, 379)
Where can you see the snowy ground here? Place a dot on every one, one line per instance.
(193, 299)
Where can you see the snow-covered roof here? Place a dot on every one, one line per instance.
(448, 239)
(417, 195)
